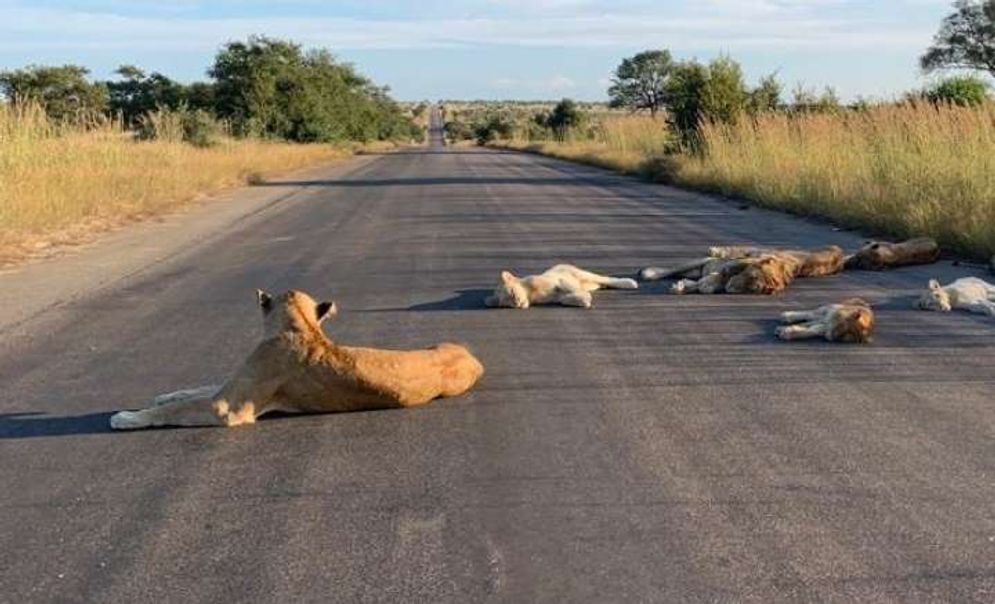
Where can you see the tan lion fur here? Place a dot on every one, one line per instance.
(563, 284)
(850, 321)
(879, 255)
(297, 369)
(749, 270)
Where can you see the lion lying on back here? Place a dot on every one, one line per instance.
(297, 369)
(746, 270)
(970, 293)
(563, 284)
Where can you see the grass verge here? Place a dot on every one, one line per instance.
(898, 170)
(61, 185)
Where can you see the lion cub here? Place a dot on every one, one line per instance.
(297, 369)
(970, 293)
(563, 284)
(850, 321)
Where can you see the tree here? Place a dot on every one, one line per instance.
(565, 116)
(766, 96)
(966, 39)
(962, 90)
(272, 88)
(639, 81)
(64, 91)
(685, 92)
(724, 96)
(136, 93)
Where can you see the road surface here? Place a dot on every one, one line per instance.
(656, 448)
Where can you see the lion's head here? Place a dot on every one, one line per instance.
(766, 275)
(853, 323)
(509, 293)
(935, 298)
(292, 309)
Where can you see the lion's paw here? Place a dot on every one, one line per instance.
(127, 420)
(626, 284)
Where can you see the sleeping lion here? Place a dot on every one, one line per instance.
(850, 321)
(970, 293)
(563, 284)
(297, 369)
(749, 270)
(879, 255)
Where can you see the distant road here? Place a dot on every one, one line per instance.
(653, 449)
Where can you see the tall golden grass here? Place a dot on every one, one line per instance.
(900, 170)
(904, 170)
(623, 143)
(59, 182)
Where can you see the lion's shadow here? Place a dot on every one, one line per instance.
(36, 424)
(465, 299)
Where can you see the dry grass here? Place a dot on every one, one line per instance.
(623, 143)
(901, 170)
(58, 184)
(907, 170)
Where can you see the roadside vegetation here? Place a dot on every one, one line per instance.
(79, 156)
(923, 164)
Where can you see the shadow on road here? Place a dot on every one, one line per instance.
(465, 299)
(33, 424)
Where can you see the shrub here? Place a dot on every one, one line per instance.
(964, 91)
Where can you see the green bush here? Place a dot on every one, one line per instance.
(965, 91)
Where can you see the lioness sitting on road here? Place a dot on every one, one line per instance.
(879, 255)
(850, 321)
(297, 369)
(970, 294)
(563, 284)
(748, 270)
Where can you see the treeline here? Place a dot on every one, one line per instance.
(262, 87)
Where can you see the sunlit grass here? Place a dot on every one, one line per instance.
(59, 181)
(904, 170)
(900, 170)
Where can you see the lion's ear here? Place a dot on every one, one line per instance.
(934, 284)
(507, 277)
(326, 310)
(265, 300)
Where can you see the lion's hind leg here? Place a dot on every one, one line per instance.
(653, 273)
(579, 298)
(798, 316)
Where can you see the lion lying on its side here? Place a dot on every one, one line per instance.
(297, 369)
(879, 255)
(850, 321)
(563, 284)
(969, 293)
(746, 270)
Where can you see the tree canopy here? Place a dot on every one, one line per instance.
(63, 91)
(966, 39)
(639, 81)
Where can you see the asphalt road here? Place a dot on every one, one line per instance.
(653, 449)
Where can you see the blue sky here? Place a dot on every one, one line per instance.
(495, 49)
